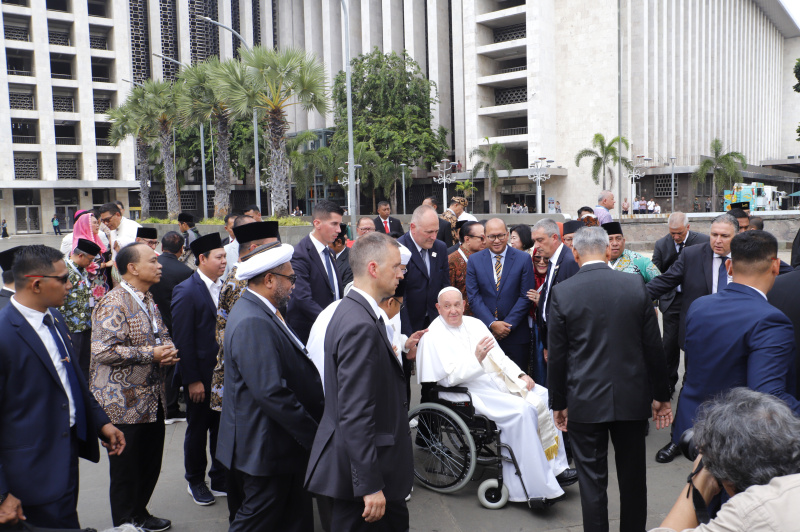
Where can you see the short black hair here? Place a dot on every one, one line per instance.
(753, 251)
(8, 277)
(34, 260)
(172, 242)
(738, 213)
(324, 209)
(110, 208)
(382, 203)
(229, 216)
(585, 209)
(756, 223)
(253, 208)
(241, 220)
(524, 233)
(129, 254)
(433, 200)
(466, 230)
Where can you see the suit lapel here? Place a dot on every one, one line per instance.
(30, 337)
(201, 286)
(417, 258)
(708, 267)
(507, 262)
(358, 298)
(317, 260)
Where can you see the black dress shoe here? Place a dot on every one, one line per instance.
(667, 453)
(155, 524)
(568, 477)
(544, 504)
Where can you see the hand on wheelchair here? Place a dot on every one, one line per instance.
(374, 507)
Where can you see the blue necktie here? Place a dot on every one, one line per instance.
(77, 395)
(331, 275)
(722, 278)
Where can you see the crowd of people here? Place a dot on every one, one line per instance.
(294, 363)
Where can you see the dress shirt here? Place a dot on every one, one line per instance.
(9, 288)
(550, 275)
(588, 262)
(493, 255)
(320, 247)
(385, 224)
(231, 256)
(269, 304)
(35, 320)
(376, 310)
(602, 215)
(715, 272)
(214, 287)
(125, 233)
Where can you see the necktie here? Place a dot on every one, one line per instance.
(77, 395)
(386, 226)
(426, 259)
(680, 247)
(280, 316)
(498, 268)
(331, 275)
(722, 279)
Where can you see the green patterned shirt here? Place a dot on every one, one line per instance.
(633, 262)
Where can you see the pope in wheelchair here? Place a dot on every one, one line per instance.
(459, 351)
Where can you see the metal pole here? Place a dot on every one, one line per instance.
(539, 194)
(403, 168)
(351, 171)
(619, 105)
(672, 188)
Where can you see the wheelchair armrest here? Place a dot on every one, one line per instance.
(455, 389)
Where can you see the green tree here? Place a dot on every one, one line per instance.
(725, 168)
(270, 82)
(604, 157)
(489, 159)
(466, 188)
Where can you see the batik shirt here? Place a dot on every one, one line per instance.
(232, 290)
(125, 380)
(78, 305)
(451, 217)
(633, 262)
(458, 274)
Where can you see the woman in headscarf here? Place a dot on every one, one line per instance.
(538, 367)
(87, 226)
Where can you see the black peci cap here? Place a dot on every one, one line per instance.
(186, 218)
(256, 231)
(572, 226)
(150, 233)
(612, 228)
(88, 247)
(7, 258)
(206, 243)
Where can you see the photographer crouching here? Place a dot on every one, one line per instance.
(750, 447)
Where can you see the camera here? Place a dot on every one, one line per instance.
(687, 446)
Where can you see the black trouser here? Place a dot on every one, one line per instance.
(57, 229)
(202, 426)
(172, 392)
(590, 449)
(671, 320)
(82, 344)
(134, 473)
(276, 502)
(346, 517)
(233, 484)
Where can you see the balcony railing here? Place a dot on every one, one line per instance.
(507, 132)
(24, 139)
(100, 141)
(23, 3)
(63, 104)
(512, 69)
(19, 72)
(66, 141)
(106, 169)
(101, 105)
(101, 79)
(59, 75)
(510, 33)
(15, 33)
(58, 38)
(26, 168)
(511, 95)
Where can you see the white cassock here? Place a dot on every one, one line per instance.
(316, 339)
(446, 355)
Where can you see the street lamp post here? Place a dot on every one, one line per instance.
(351, 171)
(642, 163)
(202, 139)
(672, 186)
(255, 112)
(403, 168)
(540, 172)
(445, 176)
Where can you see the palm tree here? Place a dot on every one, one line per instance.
(604, 157)
(304, 164)
(466, 188)
(489, 158)
(724, 166)
(198, 103)
(271, 82)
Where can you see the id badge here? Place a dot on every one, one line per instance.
(91, 301)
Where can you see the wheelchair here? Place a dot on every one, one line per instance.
(450, 440)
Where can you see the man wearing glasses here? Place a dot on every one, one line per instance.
(123, 230)
(148, 236)
(471, 235)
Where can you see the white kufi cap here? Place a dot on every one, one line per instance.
(405, 255)
(260, 261)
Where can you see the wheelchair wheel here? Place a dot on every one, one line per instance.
(490, 496)
(443, 449)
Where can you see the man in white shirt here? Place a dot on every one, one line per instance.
(123, 230)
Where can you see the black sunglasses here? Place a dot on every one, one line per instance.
(61, 278)
(292, 278)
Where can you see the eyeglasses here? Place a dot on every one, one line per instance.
(292, 278)
(399, 303)
(501, 236)
(151, 243)
(61, 278)
(106, 219)
(481, 238)
(540, 259)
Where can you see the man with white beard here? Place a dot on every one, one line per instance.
(460, 350)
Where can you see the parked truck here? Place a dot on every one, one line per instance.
(760, 196)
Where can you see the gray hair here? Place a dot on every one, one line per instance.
(727, 219)
(748, 438)
(603, 195)
(369, 248)
(419, 212)
(678, 219)
(590, 241)
(549, 226)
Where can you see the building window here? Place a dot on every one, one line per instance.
(67, 168)
(664, 186)
(511, 95)
(17, 33)
(509, 33)
(26, 166)
(98, 42)
(106, 169)
(140, 49)
(703, 188)
(101, 104)
(21, 100)
(63, 104)
(58, 38)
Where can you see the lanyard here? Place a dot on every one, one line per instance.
(149, 313)
(462, 254)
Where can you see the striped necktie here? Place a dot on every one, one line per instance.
(498, 268)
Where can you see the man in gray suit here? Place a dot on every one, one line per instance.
(273, 399)
(362, 452)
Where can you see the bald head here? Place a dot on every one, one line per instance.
(424, 226)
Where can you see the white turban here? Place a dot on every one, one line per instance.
(448, 289)
(266, 260)
(405, 255)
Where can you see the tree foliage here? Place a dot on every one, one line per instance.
(604, 157)
(724, 167)
(489, 159)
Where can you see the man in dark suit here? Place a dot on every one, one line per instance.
(273, 399)
(194, 313)
(342, 255)
(561, 266)
(445, 233)
(498, 280)
(46, 427)
(727, 348)
(385, 223)
(666, 252)
(362, 451)
(6, 262)
(318, 282)
(603, 371)
(173, 273)
(784, 297)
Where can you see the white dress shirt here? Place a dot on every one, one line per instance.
(124, 234)
(35, 319)
(550, 275)
(715, 272)
(493, 255)
(231, 255)
(376, 310)
(269, 305)
(320, 247)
(425, 255)
(214, 287)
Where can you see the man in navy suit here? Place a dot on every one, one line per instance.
(194, 319)
(318, 282)
(498, 280)
(727, 348)
(45, 427)
(383, 221)
(561, 266)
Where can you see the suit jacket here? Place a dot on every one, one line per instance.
(445, 233)
(34, 419)
(795, 260)
(753, 348)
(363, 443)
(566, 267)
(312, 291)
(5, 297)
(784, 297)
(343, 267)
(510, 303)
(273, 394)
(173, 273)
(422, 290)
(604, 377)
(664, 255)
(194, 319)
(394, 225)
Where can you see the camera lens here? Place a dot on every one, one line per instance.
(687, 446)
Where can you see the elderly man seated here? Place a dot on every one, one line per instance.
(459, 350)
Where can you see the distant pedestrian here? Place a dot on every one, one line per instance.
(5, 230)
(558, 206)
(56, 224)
(657, 209)
(625, 206)
(696, 206)
(651, 205)
(635, 205)
(708, 204)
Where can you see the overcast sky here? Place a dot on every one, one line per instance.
(793, 7)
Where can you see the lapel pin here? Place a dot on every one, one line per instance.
(433, 254)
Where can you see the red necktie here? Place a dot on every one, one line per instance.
(386, 226)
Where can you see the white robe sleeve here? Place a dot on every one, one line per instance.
(479, 331)
(438, 360)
